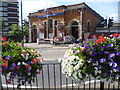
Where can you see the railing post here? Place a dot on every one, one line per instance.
(101, 85)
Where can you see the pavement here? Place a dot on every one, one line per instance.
(36, 46)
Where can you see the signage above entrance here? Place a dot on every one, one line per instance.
(48, 15)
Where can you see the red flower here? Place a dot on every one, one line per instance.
(24, 53)
(38, 72)
(5, 64)
(103, 39)
(99, 41)
(4, 38)
(100, 37)
(28, 66)
(83, 49)
(17, 67)
(0, 69)
(5, 43)
(34, 60)
(93, 36)
(115, 34)
(9, 81)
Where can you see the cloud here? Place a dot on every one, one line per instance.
(115, 16)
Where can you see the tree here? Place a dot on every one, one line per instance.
(15, 30)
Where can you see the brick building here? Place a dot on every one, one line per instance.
(63, 20)
(9, 14)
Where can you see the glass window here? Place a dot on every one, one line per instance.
(5, 4)
(5, 14)
(5, 9)
(50, 23)
(5, 33)
(0, 9)
(5, 19)
(0, 3)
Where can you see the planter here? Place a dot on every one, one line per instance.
(99, 58)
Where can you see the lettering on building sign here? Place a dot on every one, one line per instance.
(54, 14)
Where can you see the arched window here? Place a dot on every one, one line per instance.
(88, 26)
(50, 23)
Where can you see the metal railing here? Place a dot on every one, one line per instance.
(52, 78)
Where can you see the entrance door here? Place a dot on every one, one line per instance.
(34, 34)
(74, 29)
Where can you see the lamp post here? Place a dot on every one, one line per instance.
(22, 22)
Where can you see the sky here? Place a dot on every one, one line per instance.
(106, 8)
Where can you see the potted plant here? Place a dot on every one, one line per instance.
(18, 62)
(99, 58)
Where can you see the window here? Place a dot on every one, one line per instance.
(0, 9)
(5, 14)
(5, 33)
(6, 24)
(50, 23)
(5, 9)
(5, 4)
(0, 3)
(5, 19)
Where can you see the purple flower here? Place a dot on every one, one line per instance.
(29, 62)
(99, 67)
(111, 63)
(109, 58)
(99, 52)
(104, 74)
(14, 65)
(7, 57)
(106, 52)
(74, 52)
(102, 60)
(87, 50)
(94, 60)
(109, 45)
(102, 47)
(118, 53)
(88, 59)
(12, 68)
(23, 77)
(86, 46)
(82, 45)
(93, 53)
(20, 73)
(4, 68)
(112, 55)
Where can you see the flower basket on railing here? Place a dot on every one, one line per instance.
(18, 62)
(99, 58)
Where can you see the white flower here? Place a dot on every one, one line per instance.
(23, 50)
(18, 63)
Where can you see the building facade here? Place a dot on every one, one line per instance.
(9, 13)
(63, 20)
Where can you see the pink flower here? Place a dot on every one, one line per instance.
(24, 53)
(28, 66)
(19, 44)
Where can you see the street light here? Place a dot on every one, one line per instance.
(22, 22)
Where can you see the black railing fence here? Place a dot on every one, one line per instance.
(52, 78)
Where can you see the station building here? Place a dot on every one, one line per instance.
(75, 20)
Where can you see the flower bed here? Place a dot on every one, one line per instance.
(21, 63)
(99, 58)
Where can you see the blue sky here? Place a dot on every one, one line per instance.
(107, 8)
